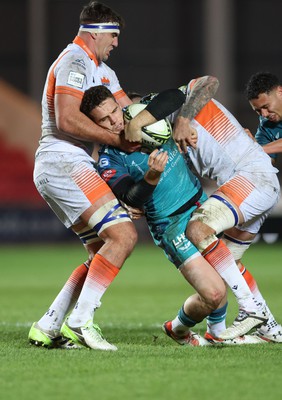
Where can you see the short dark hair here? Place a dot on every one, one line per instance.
(99, 12)
(261, 82)
(93, 97)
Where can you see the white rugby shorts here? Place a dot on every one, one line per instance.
(69, 183)
(255, 195)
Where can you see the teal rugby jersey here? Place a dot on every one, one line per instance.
(268, 132)
(176, 187)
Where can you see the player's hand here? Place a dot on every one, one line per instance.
(132, 132)
(125, 145)
(157, 161)
(184, 134)
(134, 213)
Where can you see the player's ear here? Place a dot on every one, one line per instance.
(279, 91)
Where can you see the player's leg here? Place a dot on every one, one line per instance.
(169, 234)
(80, 198)
(210, 292)
(46, 331)
(116, 230)
(263, 194)
(214, 216)
(217, 214)
(237, 244)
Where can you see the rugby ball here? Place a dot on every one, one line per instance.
(154, 135)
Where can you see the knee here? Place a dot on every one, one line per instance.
(127, 238)
(131, 239)
(215, 296)
(195, 231)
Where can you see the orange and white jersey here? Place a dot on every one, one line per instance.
(224, 149)
(75, 70)
(242, 170)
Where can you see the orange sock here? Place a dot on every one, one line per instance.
(249, 279)
(100, 275)
(102, 272)
(219, 256)
(67, 297)
(221, 259)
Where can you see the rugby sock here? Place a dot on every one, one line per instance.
(56, 314)
(216, 321)
(257, 295)
(221, 259)
(100, 275)
(182, 322)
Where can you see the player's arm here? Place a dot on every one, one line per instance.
(72, 122)
(201, 93)
(124, 101)
(135, 194)
(164, 104)
(273, 147)
(266, 138)
(249, 133)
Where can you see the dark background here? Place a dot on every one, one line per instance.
(165, 43)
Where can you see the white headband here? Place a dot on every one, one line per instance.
(111, 27)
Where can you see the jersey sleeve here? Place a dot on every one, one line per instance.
(264, 136)
(70, 75)
(111, 167)
(112, 82)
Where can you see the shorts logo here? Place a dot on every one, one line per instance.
(76, 79)
(181, 242)
(179, 239)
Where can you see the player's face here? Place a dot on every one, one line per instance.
(109, 115)
(105, 43)
(269, 105)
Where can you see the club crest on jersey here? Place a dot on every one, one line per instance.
(105, 81)
(76, 79)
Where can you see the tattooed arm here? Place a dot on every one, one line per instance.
(201, 93)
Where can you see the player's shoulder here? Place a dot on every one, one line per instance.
(104, 67)
(74, 58)
(109, 155)
(271, 128)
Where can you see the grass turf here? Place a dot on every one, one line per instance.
(148, 365)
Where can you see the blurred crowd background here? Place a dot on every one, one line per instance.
(165, 44)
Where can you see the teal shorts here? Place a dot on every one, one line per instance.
(169, 234)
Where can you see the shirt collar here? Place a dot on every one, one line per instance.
(77, 40)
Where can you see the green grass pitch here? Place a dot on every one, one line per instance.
(147, 365)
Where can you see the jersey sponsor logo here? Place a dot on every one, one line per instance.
(76, 79)
(80, 62)
(104, 162)
(108, 174)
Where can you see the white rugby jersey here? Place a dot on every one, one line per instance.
(223, 148)
(74, 71)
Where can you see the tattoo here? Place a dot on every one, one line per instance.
(201, 93)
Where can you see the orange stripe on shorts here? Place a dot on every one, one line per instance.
(237, 189)
(91, 184)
